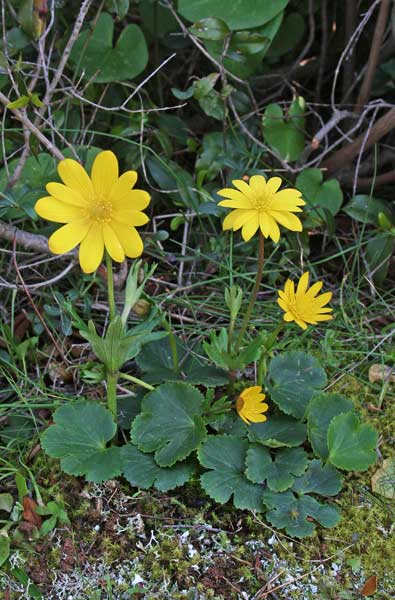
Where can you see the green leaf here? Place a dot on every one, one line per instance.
(285, 134)
(319, 196)
(217, 350)
(6, 502)
(351, 444)
(365, 208)
(155, 360)
(242, 64)
(319, 479)
(79, 438)
(142, 471)
(210, 29)
(119, 7)
(94, 55)
(170, 423)
(278, 430)
(239, 14)
(291, 513)
(290, 34)
(118, 346)
(280, 472)
(4, 547)
(320, 412)
(21, 102)
(293, 379)
(248, 42)
(379, 250)
(225, 455)
(383, 481)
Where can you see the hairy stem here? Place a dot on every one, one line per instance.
(110, 287)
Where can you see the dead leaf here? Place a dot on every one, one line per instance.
(383, 481)
(381, 373)
(29, 511)
(370, 586)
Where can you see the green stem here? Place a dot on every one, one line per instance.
(173, 344)
(112, 379)
(271, 340)
(230, 336)
(259, 273)
(110, 287)
(137, 381)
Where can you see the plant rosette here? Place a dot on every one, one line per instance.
(288, 466)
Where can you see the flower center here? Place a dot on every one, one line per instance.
(100, 210)
(262, 201)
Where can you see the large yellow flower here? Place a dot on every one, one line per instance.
(304, 306)
(250, 405)
(100, 211)
(259, 205)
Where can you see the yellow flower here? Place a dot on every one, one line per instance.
(250, 405)
(258, 204)
(304, 306)
(100, 211)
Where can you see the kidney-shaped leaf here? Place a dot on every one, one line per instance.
(279, 430)
(79, 438)
(319, 195)
(170, 423)
(279, 472)
(239, 14)
(285, 135)
(351, 443)
(294, 377)
(296, 515)
(93, 52)
(319, 479)
(141, 470)
(320, 412)
(225, 455)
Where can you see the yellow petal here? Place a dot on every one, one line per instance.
(324, 317)
(104, 173)
(301, 324)
(92, 248)
(75, 177)
(112, 244)
(274, 231)
(250, 228)
(243, 217)
(284, 305)
(302, 285)
(244, 188)
(258, 419)
(231, 218)
(273, 184)
(235, 195)
(53, 210)
(287, 219)
(322, 299)
(130, 217)
(243, 203)
(285, 196)
(264, 223)
(315, 288)
(258, 184)
(68, 237)
(289, 316)
(66, 194)
(131, 241)
(254, 389)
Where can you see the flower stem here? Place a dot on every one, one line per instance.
(110, 287)
(138, 381)
(112, 379)
(259, 273)
(271, 340)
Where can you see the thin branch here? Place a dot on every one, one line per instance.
(374, 55)
(346, 154)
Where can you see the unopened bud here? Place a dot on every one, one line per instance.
(384, 221)
(142, 308)
(233, 299)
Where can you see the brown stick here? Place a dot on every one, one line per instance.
(380, 180)
(347, 153)
(374, 55)
(349, 64)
